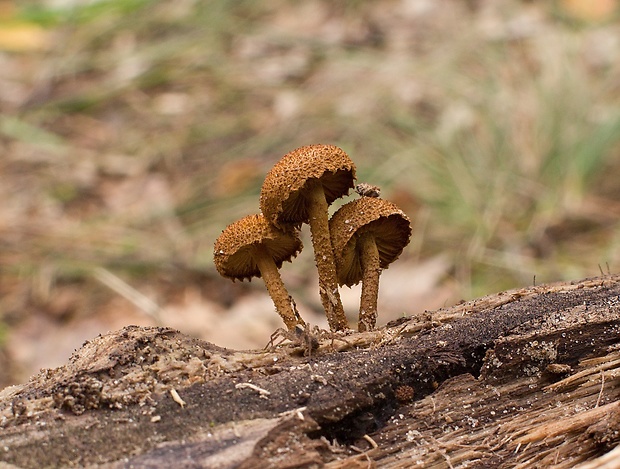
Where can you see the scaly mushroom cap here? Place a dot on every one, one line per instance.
(389, 225)
(282, 197)
(233, 250)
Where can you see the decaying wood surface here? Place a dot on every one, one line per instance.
(526, 378)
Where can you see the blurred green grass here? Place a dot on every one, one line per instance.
(147, 126)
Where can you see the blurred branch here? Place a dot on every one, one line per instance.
(125, 290)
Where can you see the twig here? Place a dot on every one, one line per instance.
(297, 412)
(176, 398)
(372, 442)
(262, 392)
(600, 394)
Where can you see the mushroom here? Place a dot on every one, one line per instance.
(368, 234)
(252, 247)
(299, 189)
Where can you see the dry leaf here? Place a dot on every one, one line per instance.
(588, 10)
(22, 37)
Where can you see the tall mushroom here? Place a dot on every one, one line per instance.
(368, 234)
(252, 247)
(299, 189)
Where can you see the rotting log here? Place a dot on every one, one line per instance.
(525, 378)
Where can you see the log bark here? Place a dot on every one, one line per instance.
(524, 378)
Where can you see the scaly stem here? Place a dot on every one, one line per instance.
(324, 258)
(369, 257)
(275, 287)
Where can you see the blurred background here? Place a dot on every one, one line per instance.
(133, 131)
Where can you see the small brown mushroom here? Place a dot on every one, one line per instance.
(252, 247)
(368, 234)
(299, 189)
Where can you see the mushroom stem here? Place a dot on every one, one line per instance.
(369, 259)
(324, 257)
(275, 287)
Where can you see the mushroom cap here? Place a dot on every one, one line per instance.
(282, 195)
(234, 250)
(388, 224)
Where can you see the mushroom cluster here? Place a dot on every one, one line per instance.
(362, 237)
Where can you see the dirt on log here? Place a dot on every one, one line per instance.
(525, 378)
